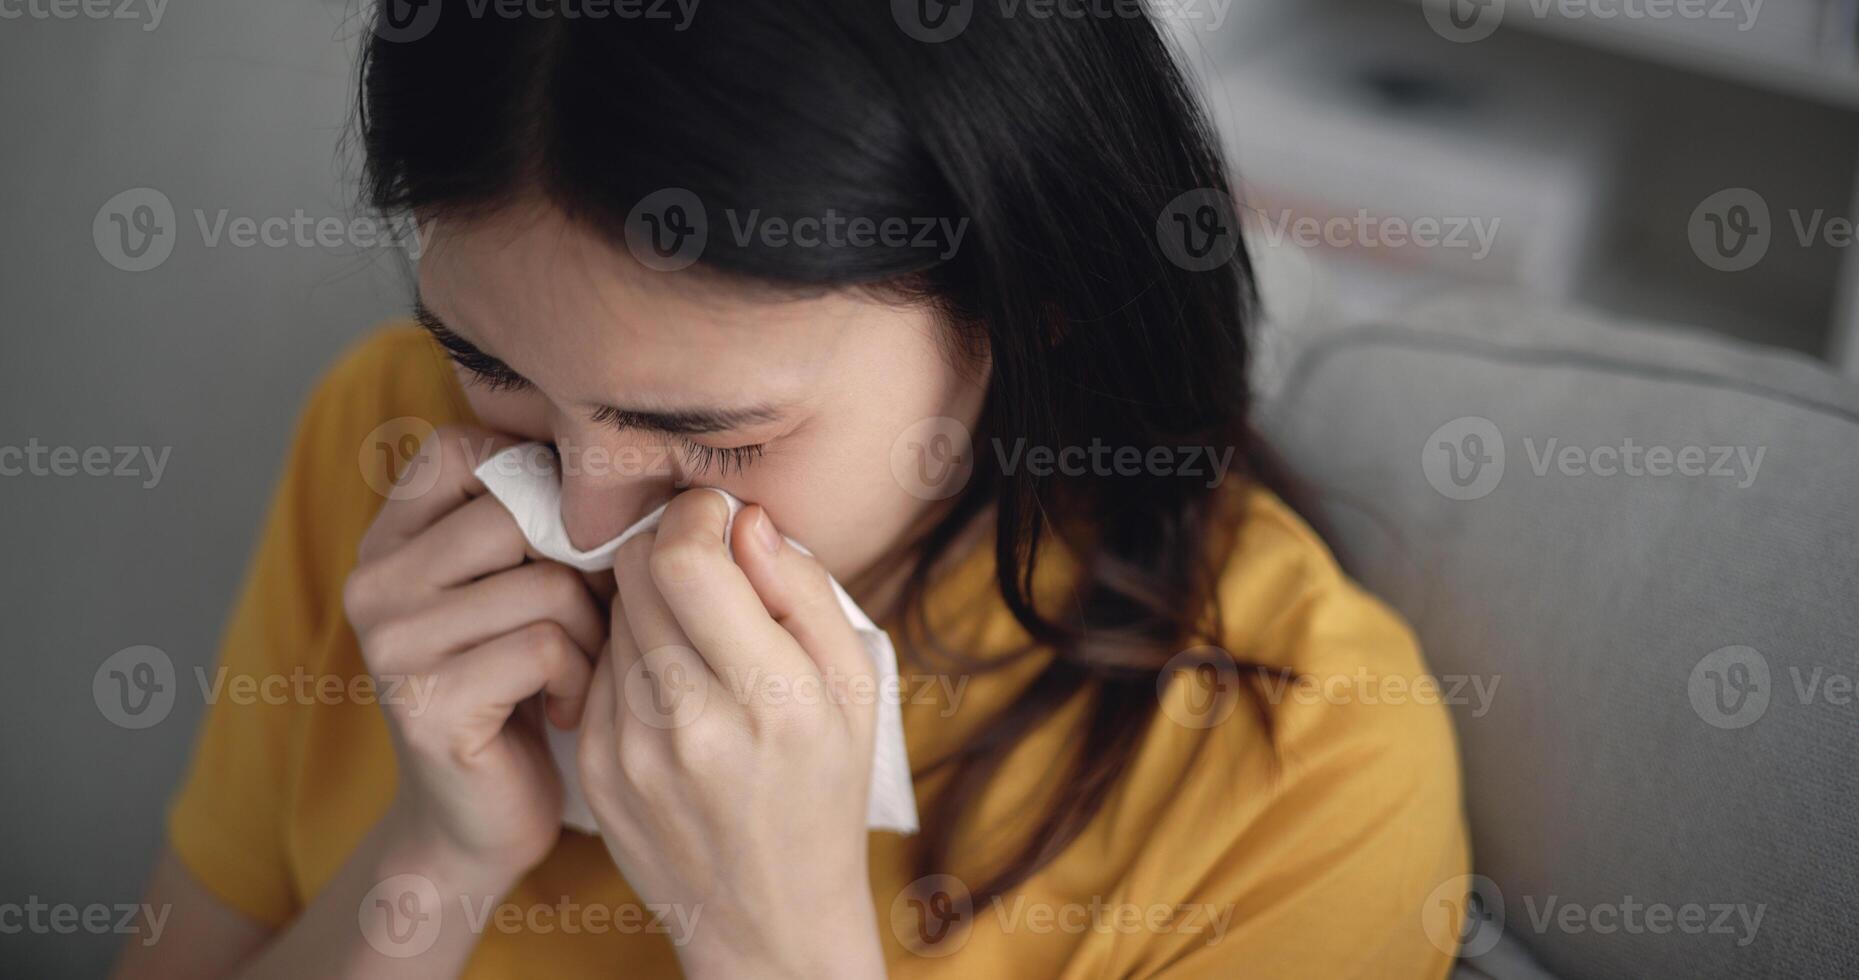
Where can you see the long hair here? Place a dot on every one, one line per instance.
(1059, 145)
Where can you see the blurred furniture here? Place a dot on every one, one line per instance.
(1674, 723)
(1593, 135)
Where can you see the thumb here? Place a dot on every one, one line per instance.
(800, 595)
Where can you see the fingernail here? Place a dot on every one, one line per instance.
(765, 533)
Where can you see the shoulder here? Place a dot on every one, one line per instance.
(383, 396)
(393, 372)
(1326, 780)
(1339, 674)
(364, 419)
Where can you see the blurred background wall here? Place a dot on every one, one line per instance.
(204, 355)
(1663, 167)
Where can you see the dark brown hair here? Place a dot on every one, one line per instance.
(1064, 144)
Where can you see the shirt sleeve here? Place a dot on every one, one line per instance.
(227, 822)
(1339, 882)
(1334, 859)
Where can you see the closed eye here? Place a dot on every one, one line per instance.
(483, 368)
(701, 459)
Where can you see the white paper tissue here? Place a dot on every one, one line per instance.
(525, 480)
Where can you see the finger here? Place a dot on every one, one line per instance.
(709, 596)
(598, 724)
(620, 643)
(647, 615)
(472, 614)
(439, 480)
(668, 681)
(473, 541)
(491, 679)
(799, 594)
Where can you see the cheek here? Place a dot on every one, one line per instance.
(835, 488)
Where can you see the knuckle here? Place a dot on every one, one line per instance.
(593, 766)
(389, 643)
(449, 445)
(543, 643)
(427, 739)
(357, 596)
(697, 510)
(459, 752)
(699, 748)
(557, 588)
(635, 552)
(370, 546)
(638, 762)
(815, 599)
(404, 716)
(808, 584)
(785, 726)
(677, 562)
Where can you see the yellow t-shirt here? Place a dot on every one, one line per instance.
(1316, 849)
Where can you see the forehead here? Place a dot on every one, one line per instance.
(586, 323)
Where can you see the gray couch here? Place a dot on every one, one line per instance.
(1645, 545)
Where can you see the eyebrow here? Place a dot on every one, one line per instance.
(683, 421)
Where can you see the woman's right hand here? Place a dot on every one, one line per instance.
(441, 595)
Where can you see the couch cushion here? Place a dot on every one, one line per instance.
(1632, 554)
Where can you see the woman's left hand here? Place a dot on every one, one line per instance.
(726, 747)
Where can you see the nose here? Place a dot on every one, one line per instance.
(609, 481)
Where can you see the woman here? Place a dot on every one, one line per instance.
(956, 302)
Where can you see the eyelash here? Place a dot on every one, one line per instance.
(485, 370)
(491, 373)
(701, 459)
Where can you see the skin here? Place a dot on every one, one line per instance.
(753, 808)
